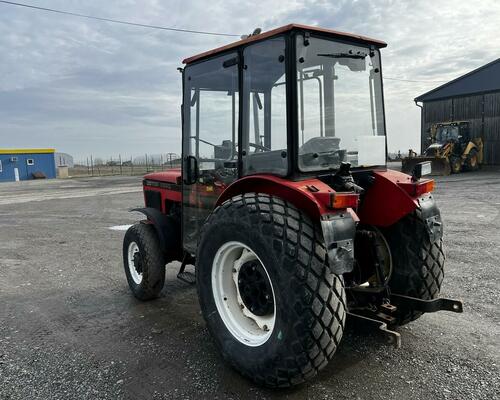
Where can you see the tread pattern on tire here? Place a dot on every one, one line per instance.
(153, 277)
(319, 308)
(418, 263)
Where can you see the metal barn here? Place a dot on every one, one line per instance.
(473, 97)
(24, 164)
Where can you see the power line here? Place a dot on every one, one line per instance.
(116, 21)
(412, 80)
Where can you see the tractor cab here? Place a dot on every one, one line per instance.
(293, 102)
(445, 132)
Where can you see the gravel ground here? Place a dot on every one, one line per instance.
(70, 329)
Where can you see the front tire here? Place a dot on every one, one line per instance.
(298, 304)
(144, 261)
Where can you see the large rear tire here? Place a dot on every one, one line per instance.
(418, 263)
(144, 261)
(280, 324)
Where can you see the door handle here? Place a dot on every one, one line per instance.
(191, 168)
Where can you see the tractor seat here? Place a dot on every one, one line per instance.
(267, 161)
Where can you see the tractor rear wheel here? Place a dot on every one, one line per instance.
(273, 307)
(418, 263)
(144, 261)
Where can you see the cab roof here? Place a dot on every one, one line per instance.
(283, 29)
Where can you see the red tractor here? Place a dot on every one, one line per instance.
(285, 206)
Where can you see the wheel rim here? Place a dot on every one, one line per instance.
(135, 262)
(243, 294)
(385, 250)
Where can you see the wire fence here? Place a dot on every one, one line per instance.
(97, 166)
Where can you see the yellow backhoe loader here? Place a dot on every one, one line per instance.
(452, 150)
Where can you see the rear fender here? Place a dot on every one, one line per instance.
(311, 196)
(386, 201)
(432, 217)
(168, 230)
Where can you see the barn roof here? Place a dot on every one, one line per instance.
(286, 28)
(480, 80)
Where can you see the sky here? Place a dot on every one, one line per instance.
(89, 87)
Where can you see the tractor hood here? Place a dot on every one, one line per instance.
(170, 176)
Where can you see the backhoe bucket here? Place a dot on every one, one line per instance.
(439, 165)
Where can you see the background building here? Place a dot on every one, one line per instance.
(473, 97)
(21, 164)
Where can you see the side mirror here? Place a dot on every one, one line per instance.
(191, 170)
(421, 169)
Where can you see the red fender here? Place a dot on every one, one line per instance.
(392, 196)
(310, 195)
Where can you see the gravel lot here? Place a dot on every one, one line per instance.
(70, 329)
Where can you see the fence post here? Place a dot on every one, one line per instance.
(92, 164)
(120, 158)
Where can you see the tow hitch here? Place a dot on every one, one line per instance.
(382, 317)
(428, 306)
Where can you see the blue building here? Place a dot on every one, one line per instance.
(21, 164)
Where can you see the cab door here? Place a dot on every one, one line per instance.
(210, 132)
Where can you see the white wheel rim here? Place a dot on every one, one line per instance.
(133, 249)
(248, 328)
(387, 248)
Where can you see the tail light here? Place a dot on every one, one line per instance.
(344, 200)
(417, 189)
(336, 200)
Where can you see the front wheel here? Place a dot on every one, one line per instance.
(273, 307)
(144, 261)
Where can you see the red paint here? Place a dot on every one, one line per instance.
(286, 28)
(392, 196)
(170, 176)
(170, 194)
(166, 194)
(314, 203)
(388, 199)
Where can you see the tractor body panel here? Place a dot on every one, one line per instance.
(391, 196)
(170, 176)
(311, 195)
(161, 191)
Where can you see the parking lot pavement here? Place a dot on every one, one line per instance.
(70, 329)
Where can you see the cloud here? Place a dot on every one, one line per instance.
(93, 87)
